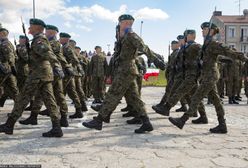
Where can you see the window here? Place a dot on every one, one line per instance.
(244, 48)
(232, 45)
(244, 34)
(231, 32)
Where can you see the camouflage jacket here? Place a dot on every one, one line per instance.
(41, 57)
(22, 60)
(131, 44)
(209, 59)
(57, 50)
(71, 57)
(98, 65)
(170, 71)
(141, 65)
(7, 55)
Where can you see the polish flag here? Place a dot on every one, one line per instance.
(151, 72)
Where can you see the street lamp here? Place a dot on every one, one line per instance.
(141, 25)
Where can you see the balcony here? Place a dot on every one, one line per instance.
(244, 39)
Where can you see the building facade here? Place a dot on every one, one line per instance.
(233, 29)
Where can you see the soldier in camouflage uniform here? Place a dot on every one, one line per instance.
(84, 61)
(7, 66)
(209, 78)
(69, 80)
(221, 81)
(22, 62)
(79, 72)
(51, 32)
(98, 71)
(125, 79)
(39, 81)
(170, 72)
(189, 83)
(246, 79)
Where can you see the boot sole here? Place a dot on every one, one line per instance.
(87, 126)
(175, 123)
(148, 130)
(29, 123)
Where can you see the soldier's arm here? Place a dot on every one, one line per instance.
(23, 54)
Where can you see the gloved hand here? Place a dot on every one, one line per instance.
(159, 64)
(13, 70)
(69, 71)
(4, 70)
(80, 69)
(58, 72)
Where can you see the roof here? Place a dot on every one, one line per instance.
(232, 19)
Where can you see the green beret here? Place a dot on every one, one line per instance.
(3, 29)
(35, 21)
(190, 31)
(77, 47)
(180, 37)
(207, 24)
(23, 37)
(125, 17)
(52, 27)
(174, 42)
(64, 35)
(72, 41)
(96, 47)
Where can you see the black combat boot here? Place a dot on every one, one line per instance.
(145, 127)
(84, 106)
(129, 114)
(29, 108)
(234, 101)
(8, 127)
(31, 120)
(64, 121)
(56, 130)
(238, 98)
(154, 107)
(96, 107)
(45, 112)
(77, 114)
(2, 101)
(163, 110)
(230, 101)
(179, 122)
(194, 115)
(183, 108)
(201, 120)
(135, 120)
(221, 128)
(127, 108)
(96, 123)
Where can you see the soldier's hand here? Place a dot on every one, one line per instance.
(159, 64)
(58, 72)
(80, 69)
(69, 71)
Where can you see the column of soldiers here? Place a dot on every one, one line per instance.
(49, 69)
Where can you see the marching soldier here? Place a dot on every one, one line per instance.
(209, 78)
(39, 81)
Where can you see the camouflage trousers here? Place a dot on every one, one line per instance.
(232, 85)
(21, 81)
(98, 87)
(9, 85)
(79, 88)
(221, 86)
(59, 96)
(70, 89)
(123, 84)
(208, 88)
(246, 87)
(171, 88)
(32, 88)
(186, 89)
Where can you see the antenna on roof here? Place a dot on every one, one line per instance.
(215, 8)
(239, 4)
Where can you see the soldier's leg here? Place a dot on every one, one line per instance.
(71, 91)
(229, 89)
(60, 97)
(94, 83)
(49, 100)
(139, 83)
(10, 87)
(80, 93)
(102, 87)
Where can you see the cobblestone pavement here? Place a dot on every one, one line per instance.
(116, 146)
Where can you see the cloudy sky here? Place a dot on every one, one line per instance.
(92, 22)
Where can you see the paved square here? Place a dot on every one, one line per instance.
(116, 146)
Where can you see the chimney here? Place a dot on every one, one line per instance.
(217, 13)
